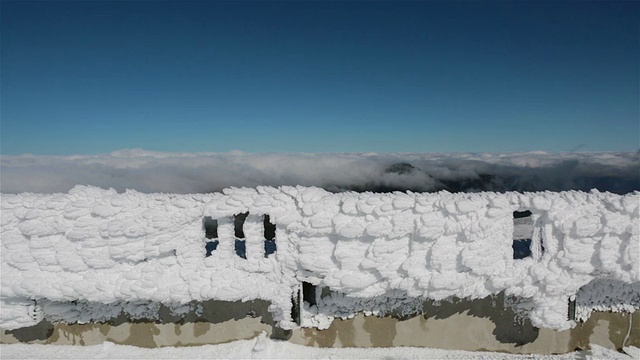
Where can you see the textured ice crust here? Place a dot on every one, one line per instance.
(132, 251)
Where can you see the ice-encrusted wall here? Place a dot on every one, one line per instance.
(92, 253)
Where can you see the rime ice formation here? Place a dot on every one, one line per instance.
(92, 253)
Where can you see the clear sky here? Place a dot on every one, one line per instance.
(92, 77)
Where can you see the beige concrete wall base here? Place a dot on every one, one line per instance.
(465, 325)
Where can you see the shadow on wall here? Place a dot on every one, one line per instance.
(41, 331)
(213, 312)
(509, 328)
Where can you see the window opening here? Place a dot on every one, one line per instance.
(309, 293)
(210, 228)
(521, 248)
(270, 237)
(269, 229)
(238, 223)
(210, 232)
(241, 248)
(240, 243)
(269, 247)
(522, 234)
(295, 306)
(211, 246)
(572, 308)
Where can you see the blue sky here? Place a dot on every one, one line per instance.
(93, 77)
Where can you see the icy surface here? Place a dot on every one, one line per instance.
(264, 348)
(607, 295)
(374, 252)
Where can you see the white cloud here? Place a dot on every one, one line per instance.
(205, 172)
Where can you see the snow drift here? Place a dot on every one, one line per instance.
(262, 347)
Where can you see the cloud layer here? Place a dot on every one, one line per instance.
(207, 172)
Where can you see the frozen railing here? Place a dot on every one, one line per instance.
(95, 246)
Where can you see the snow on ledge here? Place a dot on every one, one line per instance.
(133, 251)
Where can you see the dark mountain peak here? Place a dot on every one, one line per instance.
(400, 168)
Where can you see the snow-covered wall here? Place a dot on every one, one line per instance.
(97, 252)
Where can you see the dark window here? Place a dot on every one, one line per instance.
(521, 248)
(241, 248)
(211, 246)
(269, 229)
(238, 222)
(270, 237)
(309, 293)
(210, 232)
(269, 247)
(295, 307)
(521, 214)
(210, 228)
(240, 244)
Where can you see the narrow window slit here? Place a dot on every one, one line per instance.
(210, 232)
(522, 234)
(240, 243)
(295, 306)
(238, 224)
(269, 236)
(269, 229)
(572, 309)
